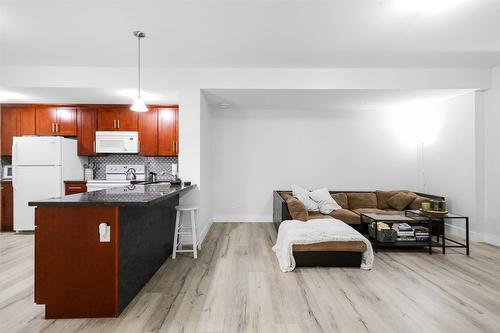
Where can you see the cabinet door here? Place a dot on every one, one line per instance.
(127, 120)
(46, 120)
(167, 132)
(8, 128)
(66, 122)
(87, 125)
(148, 132)
(26, 120)
(106, 119)
(6, 215)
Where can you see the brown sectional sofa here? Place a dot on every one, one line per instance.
(286, 207)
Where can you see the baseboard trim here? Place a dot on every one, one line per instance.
(459, 231)
(492, 239)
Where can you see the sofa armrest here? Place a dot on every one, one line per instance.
(280, 210)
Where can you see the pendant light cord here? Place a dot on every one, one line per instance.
(139, 65)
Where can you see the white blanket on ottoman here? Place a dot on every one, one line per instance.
(316, 231)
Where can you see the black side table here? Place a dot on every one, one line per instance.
(442, 219)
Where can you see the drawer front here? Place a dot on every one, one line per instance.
(74, 188)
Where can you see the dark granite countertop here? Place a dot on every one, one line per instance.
(74, 181)
(132, 195)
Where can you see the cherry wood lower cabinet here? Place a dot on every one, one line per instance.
(74, 187)
(7, 207)
(78, 276)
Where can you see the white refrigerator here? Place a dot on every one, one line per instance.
(40, 165)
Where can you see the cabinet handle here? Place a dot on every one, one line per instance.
(75, 188)
(118, 123)
(57, 127)
(93, 146)
(53, 128)
(114, 123)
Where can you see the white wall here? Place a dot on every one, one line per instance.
(258, 151)
(492, 160)
(450, 158)
(189, 82)
(206, 202)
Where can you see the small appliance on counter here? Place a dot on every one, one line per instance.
(89, 171)
(7, 172)
(176, 180)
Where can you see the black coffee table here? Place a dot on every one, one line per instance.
(441, 236)
(390, 219)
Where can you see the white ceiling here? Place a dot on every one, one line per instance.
(249, 33)
(342, 99)
(91, 96)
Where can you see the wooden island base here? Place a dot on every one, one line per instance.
(78, 276)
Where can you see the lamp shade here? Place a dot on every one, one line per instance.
(139, 105)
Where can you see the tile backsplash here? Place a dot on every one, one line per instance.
(153, 164)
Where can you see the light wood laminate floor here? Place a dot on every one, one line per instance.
(236, 286)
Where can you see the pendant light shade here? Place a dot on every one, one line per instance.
(139, 105)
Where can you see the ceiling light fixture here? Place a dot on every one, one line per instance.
(139, 105)
(5, 95)
(427, 6)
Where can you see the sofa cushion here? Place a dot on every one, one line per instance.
(317, 215)
(341, 199)
(362, 200)
(297, 209)
(401, 200)
(325, 201)
(304, 196)
(382, 197)
(345, 216)
(417, 202)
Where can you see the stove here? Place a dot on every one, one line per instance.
(116, 176)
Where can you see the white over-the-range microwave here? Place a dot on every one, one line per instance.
(116, 142)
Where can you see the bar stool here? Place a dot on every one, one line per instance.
(181, 230)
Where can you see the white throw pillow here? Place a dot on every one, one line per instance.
(323, 198)
(303, 196)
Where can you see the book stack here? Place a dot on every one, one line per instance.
(404, 232)
(421, 233)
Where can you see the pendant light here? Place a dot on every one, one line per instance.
(139, 105)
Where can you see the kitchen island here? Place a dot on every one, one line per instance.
(95, 251)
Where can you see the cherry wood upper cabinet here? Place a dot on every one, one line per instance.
(16, 121)
(9, 129)
(117, 118)
(52, 120)
(168, 137)
(148, 132)
(87, 126)
(46, 119)
(66, 122)
(27, 121)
